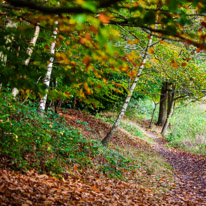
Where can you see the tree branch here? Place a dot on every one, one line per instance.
(16, 4)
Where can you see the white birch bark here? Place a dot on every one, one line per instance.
(42, 104)
(108, 137)
(32, 44)
(29, 51)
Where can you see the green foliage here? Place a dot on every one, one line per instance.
(132, 129)
(49, 144)
(115, 164)
(188, 129)
(141, 108)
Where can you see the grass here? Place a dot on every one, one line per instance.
(141, 109)
(188, 130)
(154, 171)
(132, 129)
(128, 123)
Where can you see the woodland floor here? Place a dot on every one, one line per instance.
(89, 187)
(190, 169)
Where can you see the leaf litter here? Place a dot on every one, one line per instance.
(90, 187)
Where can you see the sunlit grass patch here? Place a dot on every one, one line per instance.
(188, 130)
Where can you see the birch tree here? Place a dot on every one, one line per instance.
(29, 52)
(42, 104)
(108, 137)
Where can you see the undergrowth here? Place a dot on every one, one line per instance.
(48, 144)
(188, 130)
(141, 109)
(132, 129)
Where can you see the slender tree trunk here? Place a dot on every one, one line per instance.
(163, 105)
(169, 98)
(74, 102)
(108, 137)
(155, 107)
(29, 51)
(32, 44)
(171, 95)
(47, 78)
(56, 101)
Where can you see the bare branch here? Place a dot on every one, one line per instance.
(16, 4)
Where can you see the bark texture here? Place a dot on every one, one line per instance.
(163, 105)
(42, 104)
(171, 100)
(108, 137)
(29, 51)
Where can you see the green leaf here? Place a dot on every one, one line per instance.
(80, 18)
(90, 5)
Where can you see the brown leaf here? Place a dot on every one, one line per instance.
(95, 189)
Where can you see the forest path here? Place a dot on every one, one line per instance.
(190, 170)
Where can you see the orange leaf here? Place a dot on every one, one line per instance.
(127, 5)
(135, 4)
(103, 18)
(86, 60)
(151, 51)
(184, 64)
(160, 34)
(95, 189)
(136, 41)
(175, 65)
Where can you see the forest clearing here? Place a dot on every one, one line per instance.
(102, 102)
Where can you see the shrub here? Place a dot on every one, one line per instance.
(49, 144)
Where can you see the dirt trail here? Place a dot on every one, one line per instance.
(190, 170)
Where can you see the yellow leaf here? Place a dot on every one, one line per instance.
(151, 51)
(136, 41)
(80, 2)
(130, 42)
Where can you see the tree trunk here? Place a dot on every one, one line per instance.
(47, 78)
(32, 44)
(74, 102)
(171, 95)
(155, 107)
(163, 106)
(56, 101)
(108, 137)
(29, 51)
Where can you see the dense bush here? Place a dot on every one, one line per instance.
(48, 143)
